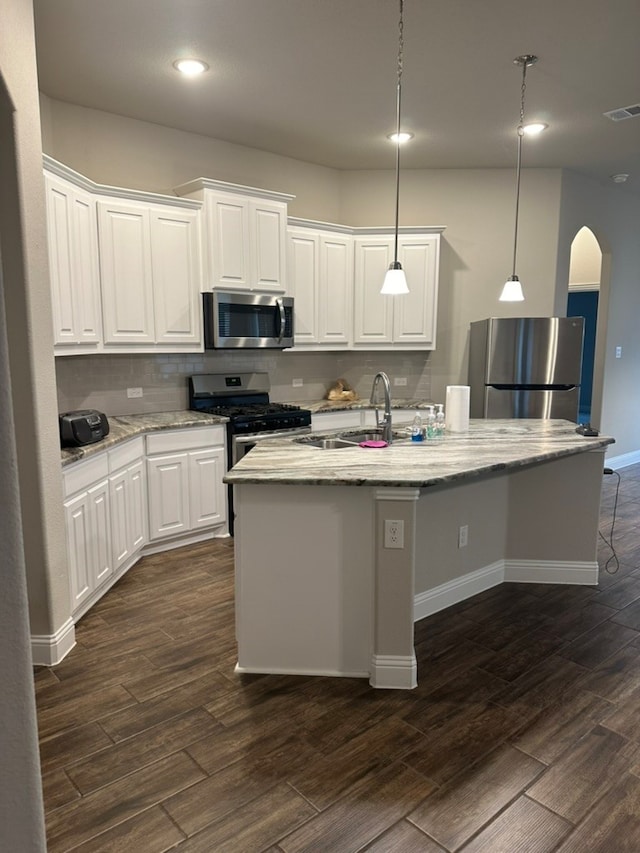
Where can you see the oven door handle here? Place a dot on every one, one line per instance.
(283, 318)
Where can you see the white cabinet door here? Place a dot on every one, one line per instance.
(138, 505)
(73, 264)
(303, 269)
(373, 313)
(335, 296)
(207, 498)
(77, 513)
(168, 479)
(101, 533)
(227, 237)
(125, 270)
(268, 220)
(414, 314)
(175, 275)
(120, 502)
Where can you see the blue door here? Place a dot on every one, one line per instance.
(584, 303)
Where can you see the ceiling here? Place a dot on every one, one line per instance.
(315, 79)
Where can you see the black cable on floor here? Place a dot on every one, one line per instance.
(609, 542)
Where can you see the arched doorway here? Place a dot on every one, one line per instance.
(585, 274)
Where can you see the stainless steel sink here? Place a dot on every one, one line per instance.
(345, 439)
(324, 443)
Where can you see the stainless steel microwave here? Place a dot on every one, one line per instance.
(249, 320)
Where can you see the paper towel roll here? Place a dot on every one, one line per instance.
(456, 410)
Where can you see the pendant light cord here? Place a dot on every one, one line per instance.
(398, 102)
(524, 61)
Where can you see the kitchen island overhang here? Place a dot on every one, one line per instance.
(317, 591)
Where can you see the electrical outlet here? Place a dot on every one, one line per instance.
(400, 380)
(134, 392)
(393, 533)
(463, 536)
(618, 352)
(297, 383)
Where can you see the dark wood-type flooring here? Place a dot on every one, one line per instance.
(522, 737)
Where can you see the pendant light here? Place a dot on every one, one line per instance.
(512, 290)
(395, 281)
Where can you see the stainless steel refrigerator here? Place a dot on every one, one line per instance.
(525, 367)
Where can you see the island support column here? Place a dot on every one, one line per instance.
(393, 661)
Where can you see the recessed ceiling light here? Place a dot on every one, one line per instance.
(190, 67)
(534, 128)
(400, 137)
(620, 178)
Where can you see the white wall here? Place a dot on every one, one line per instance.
(123, 152)
(25, 337)
(586, 260)
(613, 214)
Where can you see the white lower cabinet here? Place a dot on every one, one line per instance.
(185, 474)
(111, 515)
(87, 512)
(336, 420)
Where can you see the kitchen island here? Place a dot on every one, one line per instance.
(338, 552)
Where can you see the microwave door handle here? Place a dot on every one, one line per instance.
(283, 318)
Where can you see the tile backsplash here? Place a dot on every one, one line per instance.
(101, 381)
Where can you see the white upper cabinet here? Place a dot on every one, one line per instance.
(320, 276)
(244, 235)
(73, 266)
(125, 267)
(407, 321)
(335, 274)
(149, 265)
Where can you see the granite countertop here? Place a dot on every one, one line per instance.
(123, 427)
(321, 406)
(490, 445)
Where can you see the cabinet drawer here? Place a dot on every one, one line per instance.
(126, 454)
(176, 441)
(83, 475)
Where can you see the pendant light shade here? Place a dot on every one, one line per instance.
(512, 290)
(395, 281)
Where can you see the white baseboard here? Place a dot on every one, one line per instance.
(623, 461)
(443, 596)
(394, 672)
(549, 571)
(263, 670)
(509, 571)
(192, 538)
(50, 649)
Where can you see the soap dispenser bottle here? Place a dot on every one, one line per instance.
(440, 420)
(416, 428)
(431, 422)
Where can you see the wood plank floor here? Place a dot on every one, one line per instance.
(522, 737)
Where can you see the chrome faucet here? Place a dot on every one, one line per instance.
(386, 423)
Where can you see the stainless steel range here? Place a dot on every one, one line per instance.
(244, 399)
